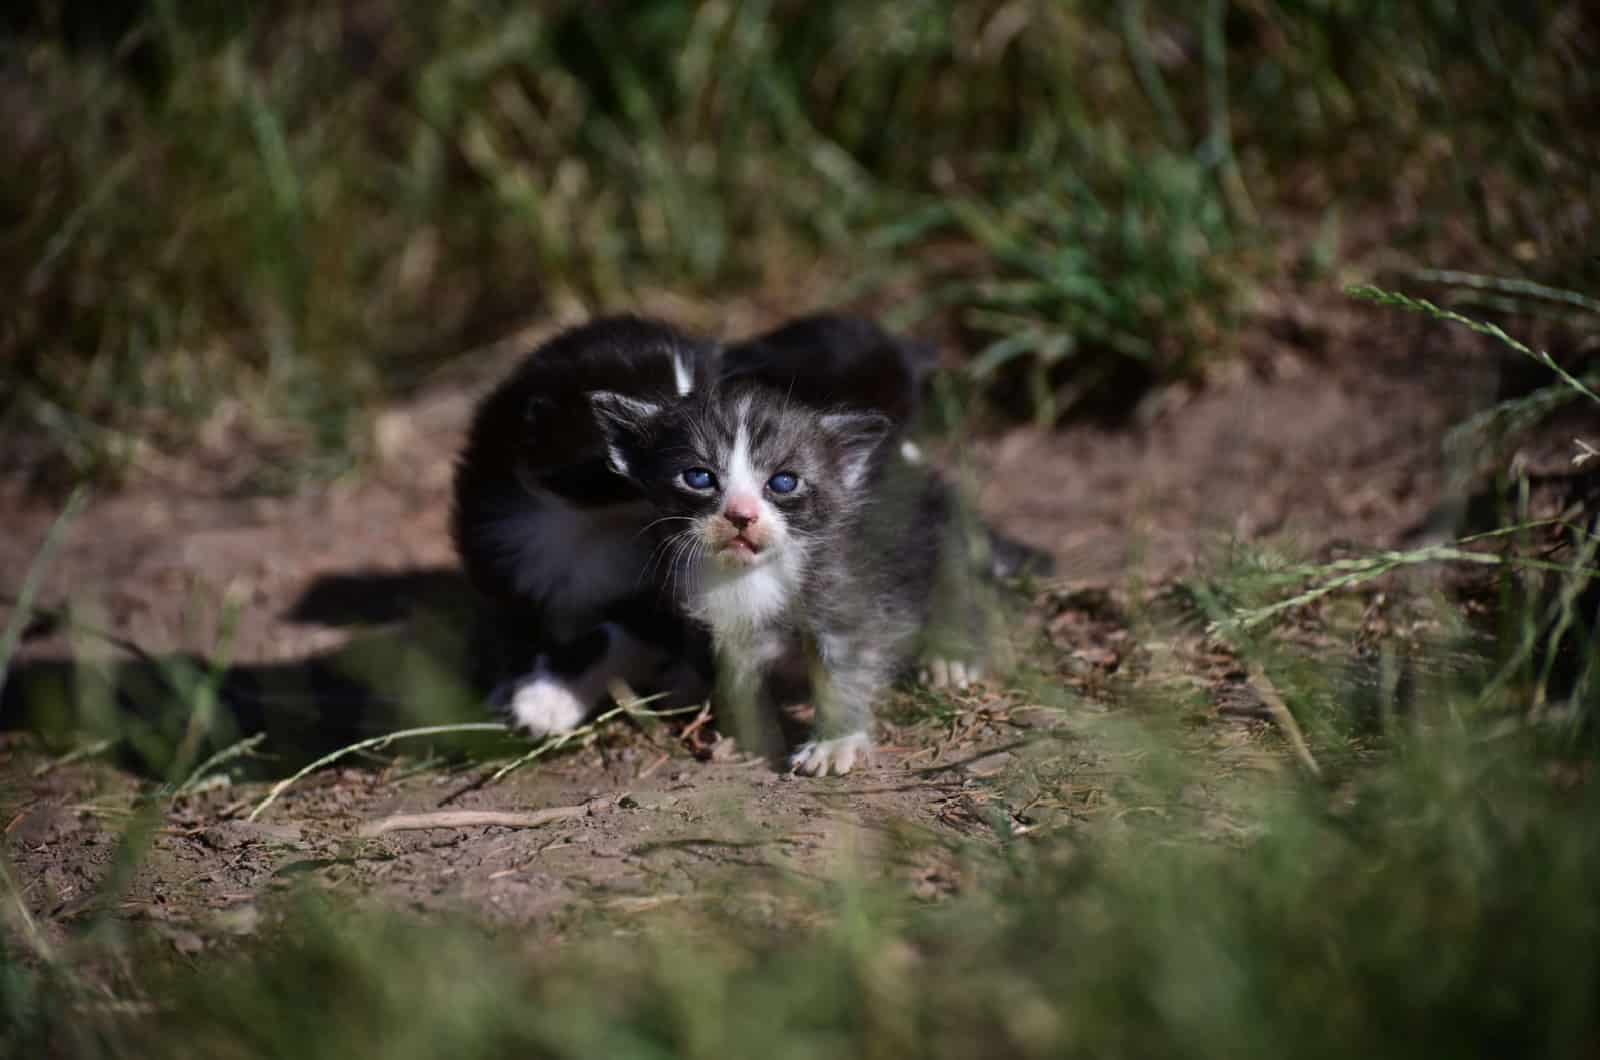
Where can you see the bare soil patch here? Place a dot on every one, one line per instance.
(1325, 432)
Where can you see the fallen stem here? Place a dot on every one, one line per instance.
(552, 744)
(88, 750)
(366, 745)
(227, 754)
(555, 743)
(410, 822)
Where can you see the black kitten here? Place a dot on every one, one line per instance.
(799, 540)
(827, 360)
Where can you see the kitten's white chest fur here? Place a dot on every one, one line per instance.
(737, 603)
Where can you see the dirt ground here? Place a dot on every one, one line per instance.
(1324, 434)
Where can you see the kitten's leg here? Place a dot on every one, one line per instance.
(846, 676)
(742, 691)
(566, 683)
(685, 674)
(964, 635)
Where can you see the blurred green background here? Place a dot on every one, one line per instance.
(306, 207)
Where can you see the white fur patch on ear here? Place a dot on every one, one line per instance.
(858, 434)
(623, 420)
(681, 376)
(617, 459)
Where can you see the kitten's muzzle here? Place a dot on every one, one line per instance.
(738, 535)
(741, 549)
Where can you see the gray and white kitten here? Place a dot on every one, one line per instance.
(797, 537)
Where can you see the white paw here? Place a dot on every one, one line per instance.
(545, 706)
(951, 673)
(838, 756)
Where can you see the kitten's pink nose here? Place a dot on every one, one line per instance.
(742, 511)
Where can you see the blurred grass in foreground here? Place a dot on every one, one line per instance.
(1440, 903)
(261, 219)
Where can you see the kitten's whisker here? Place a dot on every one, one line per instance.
(650, 564)
(684, 548)
(789, 394)
(669, 557)
(664, 519)
(657, 554)
(679, 543)
(694, 556)
(667, 554)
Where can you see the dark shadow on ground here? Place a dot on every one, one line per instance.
(367, 598)
(424, 655)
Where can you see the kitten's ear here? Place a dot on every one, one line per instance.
(625, 422)
(857, 436)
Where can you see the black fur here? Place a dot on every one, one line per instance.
(535, 431)
(826, 360)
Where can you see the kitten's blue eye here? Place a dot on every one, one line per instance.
(698, 478)
(783, 482)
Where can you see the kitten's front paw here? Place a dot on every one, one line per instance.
(545, 706)
(951, 673)
(838, 756)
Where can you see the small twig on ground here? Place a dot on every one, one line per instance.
(639, 903)
(88, 750)
(583, 732)
(221, 758)
(697, 724)
(1012, 746)
(407, 822)
(377, 741)
(1282, 717)
(660, 761)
